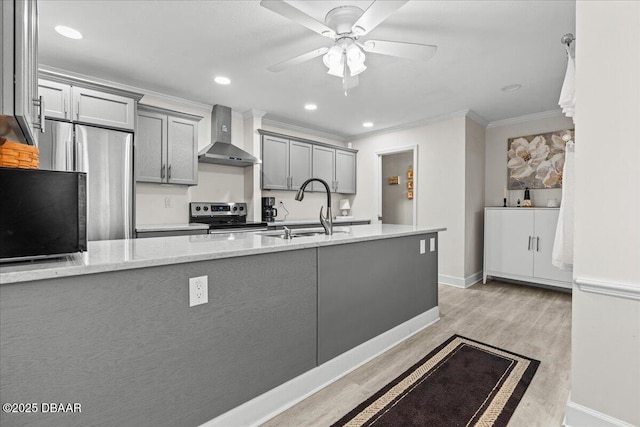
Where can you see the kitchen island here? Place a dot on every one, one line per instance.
(112, 329)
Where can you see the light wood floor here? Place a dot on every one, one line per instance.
(531, 321)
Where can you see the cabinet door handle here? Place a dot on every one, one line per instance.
(169, 172)
(162, 172)
(529, 244)
(78, 110)
(290, 182)
(66, 108)
(537, 244)
(39, 102)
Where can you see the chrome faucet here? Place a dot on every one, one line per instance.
(326, 221)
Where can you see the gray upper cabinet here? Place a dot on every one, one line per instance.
(182, 149)
(288, 161)
(151, 147)
(345, 172)
(104, 109)
(166, 147)
(57, 99)
(20, 102)
(275, 163)
(324, 167)
(66, 101)
(300, 163)
(286, 164)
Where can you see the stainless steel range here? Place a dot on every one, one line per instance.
(223, 217)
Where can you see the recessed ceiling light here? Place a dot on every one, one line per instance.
(310, 107)
(68, 32)
(511, 88)
(367, 124)
(222, 80)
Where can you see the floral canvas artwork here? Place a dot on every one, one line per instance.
(537, 161)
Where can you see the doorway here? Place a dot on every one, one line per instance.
(397, 185)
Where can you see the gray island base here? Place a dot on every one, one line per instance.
(279, 325)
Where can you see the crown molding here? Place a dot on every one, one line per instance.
(250, 114)
(409, 125)
(477, 118)
(525, 118)
(157, 95)
(282, 125)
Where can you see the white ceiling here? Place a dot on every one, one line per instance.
(176, 47)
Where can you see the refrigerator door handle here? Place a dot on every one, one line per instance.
(69, 166)
(80, 153)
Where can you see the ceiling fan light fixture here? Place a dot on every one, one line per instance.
(333, 57)
(355, 59)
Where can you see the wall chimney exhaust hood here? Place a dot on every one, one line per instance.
(221, 151)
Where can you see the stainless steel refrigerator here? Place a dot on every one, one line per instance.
(107, 157)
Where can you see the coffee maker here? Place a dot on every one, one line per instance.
(269, 213)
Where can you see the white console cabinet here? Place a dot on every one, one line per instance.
(518, 243)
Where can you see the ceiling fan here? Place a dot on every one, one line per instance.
(345, 25)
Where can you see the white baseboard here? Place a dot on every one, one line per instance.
(281, 398)
(459, 282)
(577, 415)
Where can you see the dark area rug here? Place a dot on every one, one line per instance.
(461, 383)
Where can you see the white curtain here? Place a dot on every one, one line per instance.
(562, 255)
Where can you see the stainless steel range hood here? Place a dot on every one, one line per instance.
(221, 151)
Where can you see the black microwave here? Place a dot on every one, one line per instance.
(43, 213)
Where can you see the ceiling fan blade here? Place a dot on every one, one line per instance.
(298, 59)
(290, 12)
(418, 51)
(377, 12)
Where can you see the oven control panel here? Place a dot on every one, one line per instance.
(209, 209)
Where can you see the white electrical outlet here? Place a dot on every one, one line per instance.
(432, 244)
(198, 290)
(422, 246)
(168, 202)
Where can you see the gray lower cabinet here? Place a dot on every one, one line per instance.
(166, 146)
(286, 164)
(363, 291)
(170, 233)
(127, 346)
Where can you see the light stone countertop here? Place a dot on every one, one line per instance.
(141, 228)
(112, 255)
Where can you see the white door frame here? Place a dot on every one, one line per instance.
(379, 154)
